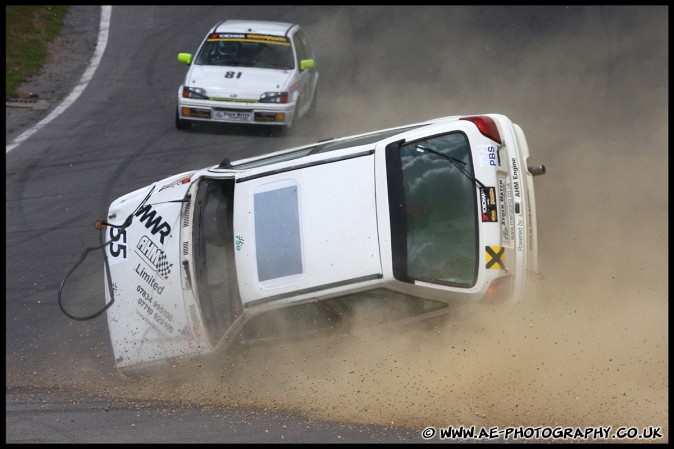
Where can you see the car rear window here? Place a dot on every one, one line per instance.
(434, 211)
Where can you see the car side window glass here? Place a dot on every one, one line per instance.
(308, 52)
(299, 48)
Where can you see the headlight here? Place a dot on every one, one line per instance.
(274, 97)
(194, 92)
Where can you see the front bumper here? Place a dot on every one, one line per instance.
(230, 112)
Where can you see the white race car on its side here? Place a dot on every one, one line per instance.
(246, 71)
(388, 226)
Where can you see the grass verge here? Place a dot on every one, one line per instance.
(29, 30)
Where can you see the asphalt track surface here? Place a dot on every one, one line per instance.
(588, 84)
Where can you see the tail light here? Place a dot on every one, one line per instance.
(486, 126)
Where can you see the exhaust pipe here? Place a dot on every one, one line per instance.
(537, 171)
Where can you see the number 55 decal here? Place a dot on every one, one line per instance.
(116, 250)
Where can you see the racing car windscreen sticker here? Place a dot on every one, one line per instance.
(494, 256)
(249, 37)
(488, 204)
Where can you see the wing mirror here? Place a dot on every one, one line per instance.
(185, 57)
(307, 64)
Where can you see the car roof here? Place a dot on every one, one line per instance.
(253, 26)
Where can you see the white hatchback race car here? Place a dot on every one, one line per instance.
(387, 226)
(246, 71)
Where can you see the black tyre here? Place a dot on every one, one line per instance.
(182, 124)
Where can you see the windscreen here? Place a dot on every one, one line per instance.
(217, 287)
(434, 210)
(246, 50)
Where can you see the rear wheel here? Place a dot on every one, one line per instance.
(180, 123)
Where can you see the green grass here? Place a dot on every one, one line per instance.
(29, 29)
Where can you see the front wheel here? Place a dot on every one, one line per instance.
(180, 123)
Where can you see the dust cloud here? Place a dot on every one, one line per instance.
(591, 349)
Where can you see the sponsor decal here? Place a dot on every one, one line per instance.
(487, 156)
(149, 279)
(516, 178)
(505, 210)
(520, 233)
(150, 308)
(488, 204)
(216, 36)
(154, 256)
(238, 242)
(155, 320)
(267, 37)
(530, 223)
(178, 182)
(154, 222)
(494, 257)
